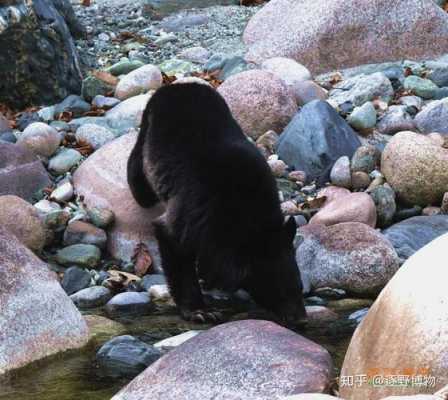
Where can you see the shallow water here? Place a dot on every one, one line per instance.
(75, 376)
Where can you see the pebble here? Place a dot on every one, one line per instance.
(384, 199)
(150, 280)
(359, 315)
(340, 174)
(139, 81)
(85, 255)
(104, 102)
(160, 293)
(75, 279)
(278, 167)
(360, 180)
(94, 135)
(195, 54)
(64, 161)
(63, 192)
(73, 104)
(363, 117)
(45, 206)
(307, 91)
(431, 210)
(125, 356)
(396, 119)
(101, 217)
(91, 297)
(365, 159)
(41, 139)
(84, 233)
(124, 66)
(421, 87)
(129, 303)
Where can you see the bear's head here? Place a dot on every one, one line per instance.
(275, 277)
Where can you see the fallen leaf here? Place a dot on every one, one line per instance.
(119, 280)
(142, 259)
(86, 3)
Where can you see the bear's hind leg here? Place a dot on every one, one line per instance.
(141, 189)
(180, 272)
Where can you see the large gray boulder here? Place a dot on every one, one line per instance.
(315, 139)
(327, 35)
(37, 43)
(37, 319)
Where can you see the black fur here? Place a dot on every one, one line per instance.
(223, 221)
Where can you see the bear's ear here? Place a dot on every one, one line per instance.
(290, 228)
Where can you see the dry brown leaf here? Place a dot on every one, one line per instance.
(210, 77)
(315, 203)
(119, 280)
(86, 3)
(142, 259)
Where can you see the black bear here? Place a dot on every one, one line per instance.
(223, 223)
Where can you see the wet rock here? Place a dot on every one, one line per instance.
(138, 81)
(94, 296)
(354, 207)
(384, 199)
(320, 314)
(175, 341)
(232, 66)
(361, 89)
(37, 43)
(72, 104)
(423, 88)
(363, 117)
(396, 120)
(82, 232)
(315, 139)
(94, 135)
(272, 104)
(64, 161)
(350, 256)
(307, 91)
(103, 329)
(412, 234)
(402, 308)
(21, 219)
(125, 356)
(85, 255)
(415, 168)
(339, 39)
(236, 361)
(359, 315)
(433, 117)
(75, 279)
(104, 169)
(93, 86)
(151, 280)
(129, 303)
(38, 319)
(41, 139)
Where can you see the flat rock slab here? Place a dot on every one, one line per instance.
(21, 172)
(37, 318)
(256, 360)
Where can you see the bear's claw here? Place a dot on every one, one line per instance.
(202, 316)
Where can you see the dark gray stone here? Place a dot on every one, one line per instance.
(125, 356)
(8, 137)
(38, 59)
(21, 172)
(314, 140)
(412, 234)
(75, 279)
(433, 117)
(94, 296)
(384, 199)
(73, 104)
(27, 118)
(129, 303)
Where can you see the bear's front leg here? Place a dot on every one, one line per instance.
(180, 271)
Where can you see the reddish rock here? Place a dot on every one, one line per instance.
(242, 360)
(325, 36)
(350, 256)
(82, 232)
(102, 180)
(259, 101)
(22, 220)
(21, 172)
(351, 207)
(307, 91)
(37, 318)
(333, 193)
